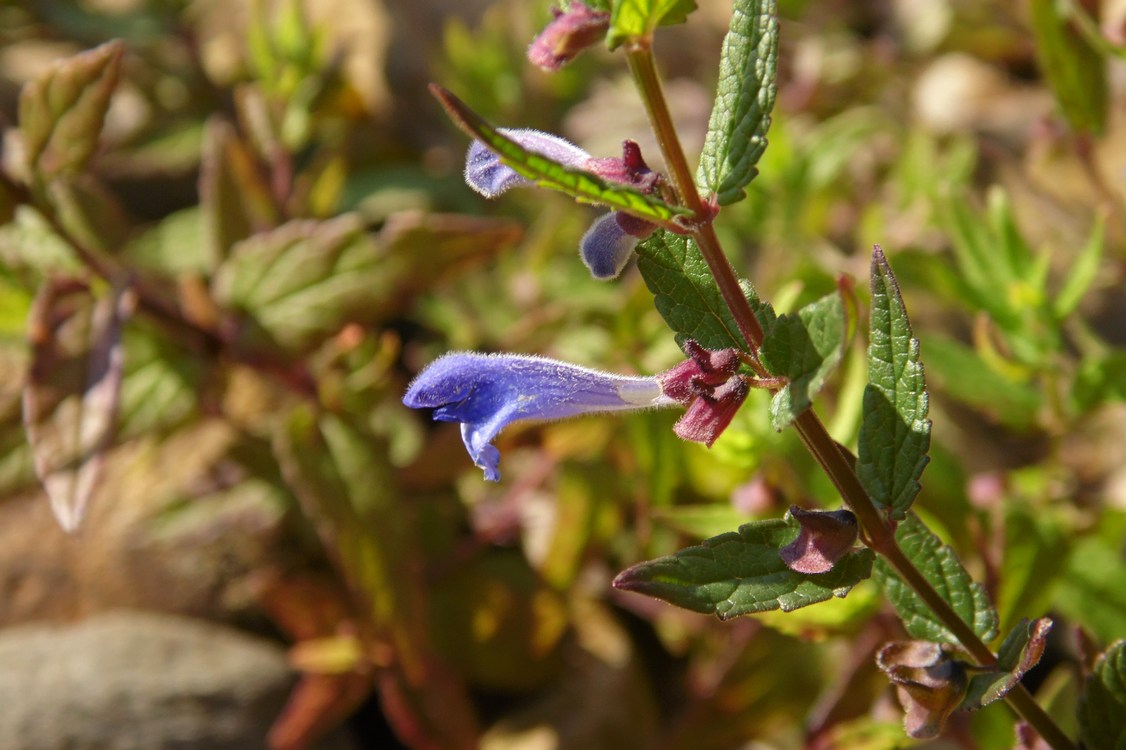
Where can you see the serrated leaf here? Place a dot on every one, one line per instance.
(686, 294)
(1102, 707)
(300, 282)
(582, 186)
(895, 431)
(939, 564)
(1075, 71)
(70, 400)
(1020, 652)
(235, 201)
(805, 347)
(62, 111)
(745, 96)
(741, 572)
(637, 19)
(1082, 274)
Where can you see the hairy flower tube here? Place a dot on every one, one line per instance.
(610, 241)
(486, 392)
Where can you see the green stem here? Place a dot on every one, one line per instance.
(879, 533)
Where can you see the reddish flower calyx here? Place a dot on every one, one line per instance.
(825, 537)
(710, 383)
(930, 684)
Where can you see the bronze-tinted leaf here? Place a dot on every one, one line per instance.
(62, 111)
(234, 198)
(70, 400)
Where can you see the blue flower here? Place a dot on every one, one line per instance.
(609, 243)
(485, 392)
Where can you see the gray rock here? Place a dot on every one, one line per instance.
(139, 681)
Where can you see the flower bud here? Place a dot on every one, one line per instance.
(568, 34)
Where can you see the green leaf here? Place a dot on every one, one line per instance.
(1100, 380)
(1102, 707)
(62, 111)
(1034, 544)
(744, 98)
(895, 431)
(300, 282)
(1020, 652)
(343, 482)
(1075, 71)
(1092, 588)
(805, 347)
(686, 294)
(940, 566)
(958, 371)
(161, 386)
(71, 396)
(1082, 274)
(741, 572)
(582, 186)
(637, 19)
(700, 521)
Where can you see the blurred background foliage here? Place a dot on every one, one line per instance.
(276, 174)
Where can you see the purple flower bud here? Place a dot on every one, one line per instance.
(610, 241)
(485, 392)
(826, 536)
(631, 169)
(606, 247)
(485, 173)
(567, 35)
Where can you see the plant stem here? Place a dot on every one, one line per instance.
(879, 532)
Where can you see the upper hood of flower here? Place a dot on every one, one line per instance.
(485, 392)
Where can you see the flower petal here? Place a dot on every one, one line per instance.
(606, 247)
(485, 173)
(485, 392)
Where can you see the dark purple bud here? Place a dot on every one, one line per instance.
(631, 169)
(826, 536)
(704, 370)
(929, 683)
(568, 34)
(710, 414)
(606, 247)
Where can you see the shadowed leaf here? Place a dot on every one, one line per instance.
(1102, 707)
(1075, 71)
